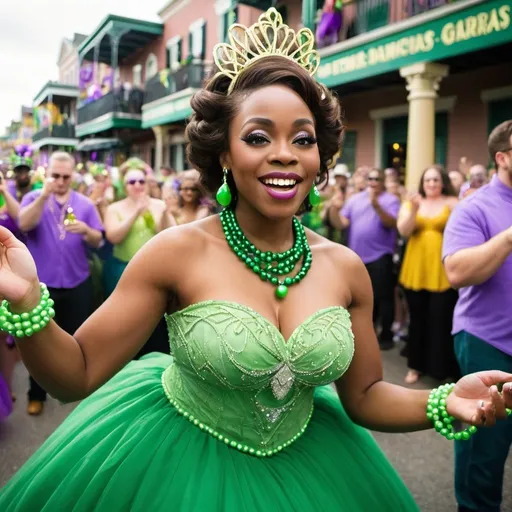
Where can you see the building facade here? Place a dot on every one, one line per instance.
(56, 103)
(420, 82)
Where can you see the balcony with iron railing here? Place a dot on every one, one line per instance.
(63, 131)
(360, 16)
(123, 100)
(167, 82)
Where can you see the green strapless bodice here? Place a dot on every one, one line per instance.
(235, 376)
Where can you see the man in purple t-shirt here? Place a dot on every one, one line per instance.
(370, 217)
(60, 225)
(477, 254)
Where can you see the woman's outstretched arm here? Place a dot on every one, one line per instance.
(72, 367)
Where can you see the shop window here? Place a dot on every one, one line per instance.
(394, 150)
(498, 112)
(227, 19)
(151, 66)
(348, 151)
(174, 53)
(197, 39)
(137, 75)
(283, 11)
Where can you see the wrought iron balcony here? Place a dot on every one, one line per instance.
(63, 131)
(168, 82)
(122, 100)
(360, 16)
(418, 6)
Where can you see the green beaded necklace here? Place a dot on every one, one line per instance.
(269, 265)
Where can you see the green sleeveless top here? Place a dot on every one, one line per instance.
(237, 378)
(139, 234)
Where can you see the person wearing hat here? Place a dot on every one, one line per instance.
(21, 183)
(341, 175)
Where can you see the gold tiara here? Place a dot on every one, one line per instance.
(269, 37)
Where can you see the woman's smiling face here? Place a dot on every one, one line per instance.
(273, 153)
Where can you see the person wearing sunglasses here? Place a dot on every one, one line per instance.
(370, 217)
(132, 222)
(191, 204)
(60, 225)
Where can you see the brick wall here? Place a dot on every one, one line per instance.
(467, 133)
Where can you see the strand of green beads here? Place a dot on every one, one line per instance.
(443, 422)
(278, 263)
(26, 324)
(266, 263)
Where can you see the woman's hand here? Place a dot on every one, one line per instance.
(475, 399)
(415, 200)
(19, 284)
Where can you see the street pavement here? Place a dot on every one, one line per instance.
(423, 459)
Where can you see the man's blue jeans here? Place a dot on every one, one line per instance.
(480, 462)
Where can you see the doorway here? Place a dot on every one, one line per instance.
(394, 140)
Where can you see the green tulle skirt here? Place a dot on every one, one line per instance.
(125, 448)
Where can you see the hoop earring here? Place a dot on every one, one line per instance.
(224, 194)
(314, 196)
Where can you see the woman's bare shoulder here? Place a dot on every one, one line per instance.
(452, 201)
(173, 252)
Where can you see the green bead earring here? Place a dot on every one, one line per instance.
(314, 196)
(224, 194)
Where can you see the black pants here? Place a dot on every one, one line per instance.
(72, 307)
(383, 283)
(430, 345)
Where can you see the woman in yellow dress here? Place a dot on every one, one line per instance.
(430, 297)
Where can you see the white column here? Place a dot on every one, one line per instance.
(423, 81)
(162, 141)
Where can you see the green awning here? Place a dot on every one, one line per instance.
(134, 34)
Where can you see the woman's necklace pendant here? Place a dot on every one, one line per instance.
(269, 266)
(281, 291)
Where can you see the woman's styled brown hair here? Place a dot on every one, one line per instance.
(447, 189)
(213, 111)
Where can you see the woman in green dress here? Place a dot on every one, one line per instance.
(262, 315)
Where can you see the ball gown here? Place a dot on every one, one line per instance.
(237, 419)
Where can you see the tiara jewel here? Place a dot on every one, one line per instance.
(268, 37)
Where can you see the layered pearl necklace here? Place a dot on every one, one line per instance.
(269, 266)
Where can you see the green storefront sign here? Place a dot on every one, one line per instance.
(171, 111)
(466, 30)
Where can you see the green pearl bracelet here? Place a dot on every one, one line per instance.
(26, 324)
(443, 422)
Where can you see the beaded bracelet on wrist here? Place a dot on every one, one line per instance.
(443, 422)
(23, 325)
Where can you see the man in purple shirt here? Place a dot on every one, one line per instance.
(477, 256)
(60, 225)
(370, 217)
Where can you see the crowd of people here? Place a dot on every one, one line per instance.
(257, 332)
(83, 224)
(116, 211)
